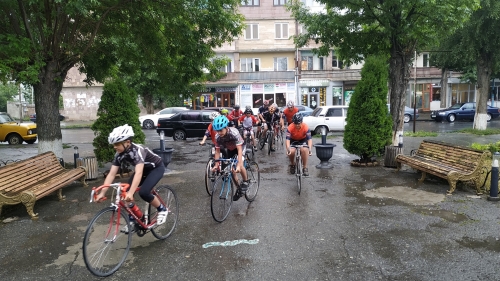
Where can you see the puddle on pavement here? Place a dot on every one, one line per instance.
(490, 243)
(270, 170)
(444, 214)
(405, 194)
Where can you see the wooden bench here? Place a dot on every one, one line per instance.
(451, 162)
(31, 179)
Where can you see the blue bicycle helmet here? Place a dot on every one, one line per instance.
(220, 122)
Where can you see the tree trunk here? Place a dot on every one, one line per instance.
(444, 87)
(47, 92)
(483, 89)
(399, 73)
(148, 102)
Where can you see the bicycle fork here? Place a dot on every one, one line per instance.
(224, 194)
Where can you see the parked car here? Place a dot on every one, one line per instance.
(16, 133)
(185, 124)
(462, 111)
(408, 113)
(149, 121)
(229, 109)
(303, 110)
(332, 118)
(33, 117)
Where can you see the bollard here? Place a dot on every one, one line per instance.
(494, 178)
(323, 135)
(162, 140)
(400, 144)
(75, 156)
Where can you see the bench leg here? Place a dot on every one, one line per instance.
(398, 166)
(422, 178)
(453, 186)
(29, 199)
(59, 195)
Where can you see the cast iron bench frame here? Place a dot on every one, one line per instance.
(36, 177)
(451, 162)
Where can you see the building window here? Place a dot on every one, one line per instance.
(252, 31)
(249, 64)
(280, 2)
(321, 63)
(426, 60)
(306, 63)
(281, 30)
(336, 63)
(249, 2)
(280, 64)
(227, 68)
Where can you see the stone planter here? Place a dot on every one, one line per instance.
(324, 152)
(166, 155)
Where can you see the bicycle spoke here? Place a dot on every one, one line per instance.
(253, 174)
(222, 198)
(169, 199)
(106, 242)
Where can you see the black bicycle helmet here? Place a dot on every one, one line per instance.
(297, 118)
(248, 111)
(236, 107)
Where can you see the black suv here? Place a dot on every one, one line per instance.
(185, 124)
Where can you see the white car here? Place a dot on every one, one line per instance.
(151, 120)
(331, 117)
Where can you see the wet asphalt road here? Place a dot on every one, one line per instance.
(332, 231)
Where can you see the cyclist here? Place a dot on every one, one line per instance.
(235, 114)
(149, 169)
(230, 139)
(248, 120)
(298, 132)
(270, 117)
(210, 132)
(289, 112)
(262, 109)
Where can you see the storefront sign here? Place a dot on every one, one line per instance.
(225, 89)
(257, 88)
(314, 83)
(246, 87)
(268, 88)
(280, 86)
(290, 87)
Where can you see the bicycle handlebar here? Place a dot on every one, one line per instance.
(122, 186)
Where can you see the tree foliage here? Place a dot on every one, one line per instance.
(356, 29)
(118, 107)
(7, 93)
(473, 50)
(368, 127)
(42, 40)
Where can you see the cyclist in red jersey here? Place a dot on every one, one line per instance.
(235, 114)
(298, 132)
(289, 112)
(210, 132)
(248, 121)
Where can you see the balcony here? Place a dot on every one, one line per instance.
(256, 77)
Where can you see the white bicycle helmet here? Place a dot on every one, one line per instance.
(275, 106)
(213, 115)
(120, 134)
(289, 104)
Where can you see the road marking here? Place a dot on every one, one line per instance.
(230, 243)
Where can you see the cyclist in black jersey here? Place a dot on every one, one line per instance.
(230, 138)
(149, 168)
(270, 117)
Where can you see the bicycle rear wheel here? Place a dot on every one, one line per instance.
(105, 244)
(262, 142)
(279, 138)
(222, 198)
(253, 174)
(298, 172)
(209, 177)
(168, 198)
(270, 138)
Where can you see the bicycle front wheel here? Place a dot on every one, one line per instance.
(269, 143)
(222, 198)
(298, 172)
(253, 174)
(262, 142)
(209, 177)
(168, 198)
(106, 242)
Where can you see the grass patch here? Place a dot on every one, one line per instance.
(327, 137)
(65, 145)
(420, 134)
(480, 132)
(77, 126)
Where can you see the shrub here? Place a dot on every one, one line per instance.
(118, 106)
(369, 125)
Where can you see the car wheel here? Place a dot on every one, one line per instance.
(148, 124)
(451, 118)
(317, 131)
(488, 117)
(14, 139)
(407, 118)
(179, 135)
(30, 141)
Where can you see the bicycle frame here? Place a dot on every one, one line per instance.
(227, 172)
(118, 204)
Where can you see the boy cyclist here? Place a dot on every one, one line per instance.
(230, 138)
(148, 170)
(248, 120)
(298, 132)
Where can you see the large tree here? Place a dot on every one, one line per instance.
(40, 40)
(474, 50)
(356, 29)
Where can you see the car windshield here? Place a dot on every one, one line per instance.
(5, 117)
(316, 112)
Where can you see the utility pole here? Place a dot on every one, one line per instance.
(20, 105)
(415, 92)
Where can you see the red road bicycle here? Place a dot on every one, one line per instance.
(108, 236)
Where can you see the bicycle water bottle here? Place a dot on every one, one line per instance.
(133, 207)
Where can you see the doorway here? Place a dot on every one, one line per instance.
(313, 101)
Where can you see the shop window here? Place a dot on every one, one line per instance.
(249, 2)
(322, 96)
(257, 100)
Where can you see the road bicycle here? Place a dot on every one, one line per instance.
(209, 177)
(226, 184)
(298, 163)
(109, 234)
(249, 143)
(273, 135)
